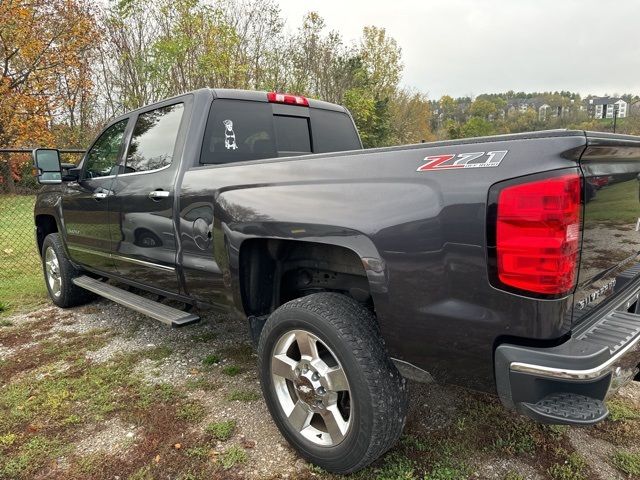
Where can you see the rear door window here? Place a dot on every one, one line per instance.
(154, 139)
(238, 130)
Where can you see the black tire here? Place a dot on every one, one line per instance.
(378, 393)
(69, 294)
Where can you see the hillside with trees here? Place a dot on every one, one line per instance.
(67, 66)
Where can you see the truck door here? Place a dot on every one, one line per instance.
(144, 248)
(85, 203)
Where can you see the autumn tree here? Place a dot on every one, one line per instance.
(43, 65)
(410, 118)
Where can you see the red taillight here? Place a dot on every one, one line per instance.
(274, 97)
(538, 234)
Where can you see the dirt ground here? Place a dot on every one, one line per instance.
(100, 392)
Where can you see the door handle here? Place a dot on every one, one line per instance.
(99, 195)
(158, 194)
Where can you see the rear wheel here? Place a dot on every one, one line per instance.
(59, 273)
(329, 384)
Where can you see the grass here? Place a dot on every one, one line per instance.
(205, 337)
(233, 456)
(627, 462)
(221, 430)
(21, 282)
(43, 409)
(244, 396)
(232, 370)
(482, 430)
(192, 412)
(202, 384)
(619, 410)
(573, 468)
(211, 359)
(240, 353)
(158, 353)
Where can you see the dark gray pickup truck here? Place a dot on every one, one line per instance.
(507, 264)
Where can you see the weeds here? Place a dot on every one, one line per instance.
(211, 359)
(232, 370)
(191, 412)
(221, 430)
(573, 468)
(244, 395)
(627, 462)
(233, 456)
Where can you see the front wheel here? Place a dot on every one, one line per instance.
(328, 382)
(59, 273)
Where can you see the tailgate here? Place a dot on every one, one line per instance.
(611, 237)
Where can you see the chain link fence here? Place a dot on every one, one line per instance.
(18, 254)
(18, 188)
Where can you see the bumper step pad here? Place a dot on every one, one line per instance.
(163, 313)
(568, 408)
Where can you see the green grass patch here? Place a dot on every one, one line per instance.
(232, 370)
(21, 281)
(158, 353)
(205, 337)
(620, 410)
(5, 323)
(192, 412)
(395, 467)
(627, 462)
(233, 456)
(147, 395)
(221, 430)
(240, 353)
(31, 456)
(511, 475)
(481, 428)
(573, 468)
(200, 451)
(201, 383)
(211, 359)
(244, 395)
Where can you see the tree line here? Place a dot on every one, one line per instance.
(67, 66)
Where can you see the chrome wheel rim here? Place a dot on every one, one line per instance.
(52, 270)
(312, 388)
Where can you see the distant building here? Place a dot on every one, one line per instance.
(543, 109)
(603, 107)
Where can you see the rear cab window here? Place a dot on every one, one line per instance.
(242, 130)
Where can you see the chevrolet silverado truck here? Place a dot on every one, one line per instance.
(507, 264)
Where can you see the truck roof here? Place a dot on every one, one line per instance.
(261, 96)
(233, 94)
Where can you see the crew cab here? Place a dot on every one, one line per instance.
(507, 264)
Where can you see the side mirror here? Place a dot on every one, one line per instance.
(47, 163)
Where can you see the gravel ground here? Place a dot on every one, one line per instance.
(182, 358)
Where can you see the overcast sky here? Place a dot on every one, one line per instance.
(469, 47)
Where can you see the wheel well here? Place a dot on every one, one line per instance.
(45, 224)
(272, 272)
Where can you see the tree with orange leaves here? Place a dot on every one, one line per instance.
(45, 50)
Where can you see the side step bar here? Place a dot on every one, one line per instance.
(163, 313)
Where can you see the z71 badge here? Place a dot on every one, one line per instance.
(463, 160)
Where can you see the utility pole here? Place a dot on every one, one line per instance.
(616, 107)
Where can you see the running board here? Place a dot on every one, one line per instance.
(163, 313)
